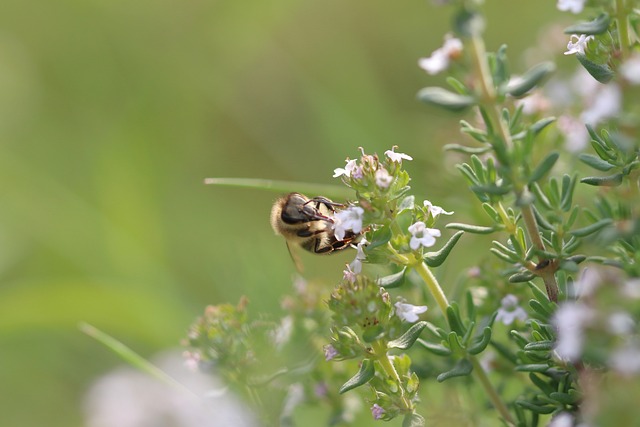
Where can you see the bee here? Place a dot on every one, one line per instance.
(308, 223)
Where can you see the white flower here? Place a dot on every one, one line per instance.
(356, 265)
(435, 210)
(408, 312)
(510, 310)
(440, 58)
(563, 419)
(422, 236)
(630, 69)
(571, 319)
(383, 179)
(573, 6)
(347, 219)
(347, 170)
(534, 103)
(580, 44)
(192, 360)
(620, 323)
(396, 157)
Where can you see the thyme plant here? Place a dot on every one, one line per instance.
(570, 351)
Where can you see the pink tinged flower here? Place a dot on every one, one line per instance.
(580, 44)
(377, 411)
(408, 312)
(422, 236)
(441, 58)
(348, 275)
(348, 219)
(383, 179)
(575, 133)
(347, 170)
(563, 419)
(396, 157)
(630, 69)
(510, 310)
(435, 210)
(572, 319)
(192, 360)
(329, 352)
(573, 6)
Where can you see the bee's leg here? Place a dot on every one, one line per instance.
(320, 247)
(313, 214)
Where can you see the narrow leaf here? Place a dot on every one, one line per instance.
(408, 338)
(597, 26)
(437, 349)
(595, 162)
(593, 228)
(544, 166)
(603, 181)
(475, 229)
(393, 280)
(533, 77)
(462, 368)
(366, 372)
(444, 99)
(435, 259)
(600, 72)
(482, 343)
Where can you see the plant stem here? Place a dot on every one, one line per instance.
(623, 28)
(433, 285)
(478, 370)
(380, 350)
(493, 111)
(481, 376)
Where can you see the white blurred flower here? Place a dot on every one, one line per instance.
(127, 397)
(441, 58)
(192, 360)
(575, 133)
(605, 104)
(347, 170)
(534, 103)
(348, 274)
(630, 69)
(281, 334)
(620, 323)
(631, 289)
(626, 360)
(422, 236)
(579, 45)
(573, 6)
(383, 179)
(563, 419)
(408, 312)
(396, 157)
(571, 319)
(348, 219)
(435, 210)
(510, 310)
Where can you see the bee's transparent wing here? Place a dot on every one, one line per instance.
(295, 257)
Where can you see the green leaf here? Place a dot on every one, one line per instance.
(521, 277)
(482, 343)
(535, 76)
(408, 338)
(533, 367)
(462, 368)
(444, 99)
(544, 167)
(595, 162)
(393, 280)
(379, 238)
(407, 203)
(600, 72)
(364, 375)
(467, 150)
(475, 229)
(593, 228)
(564, 398)
(130, 356)
(437, 349)
(540, 308)
(455, 322)
(597, 26)
(603, 181)
(492, 189)
(538, 409)
(539, 345)
(413, 420)
(435, 259)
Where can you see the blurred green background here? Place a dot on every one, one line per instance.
(113, 112)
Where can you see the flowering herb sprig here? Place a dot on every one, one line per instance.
(554, 328)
